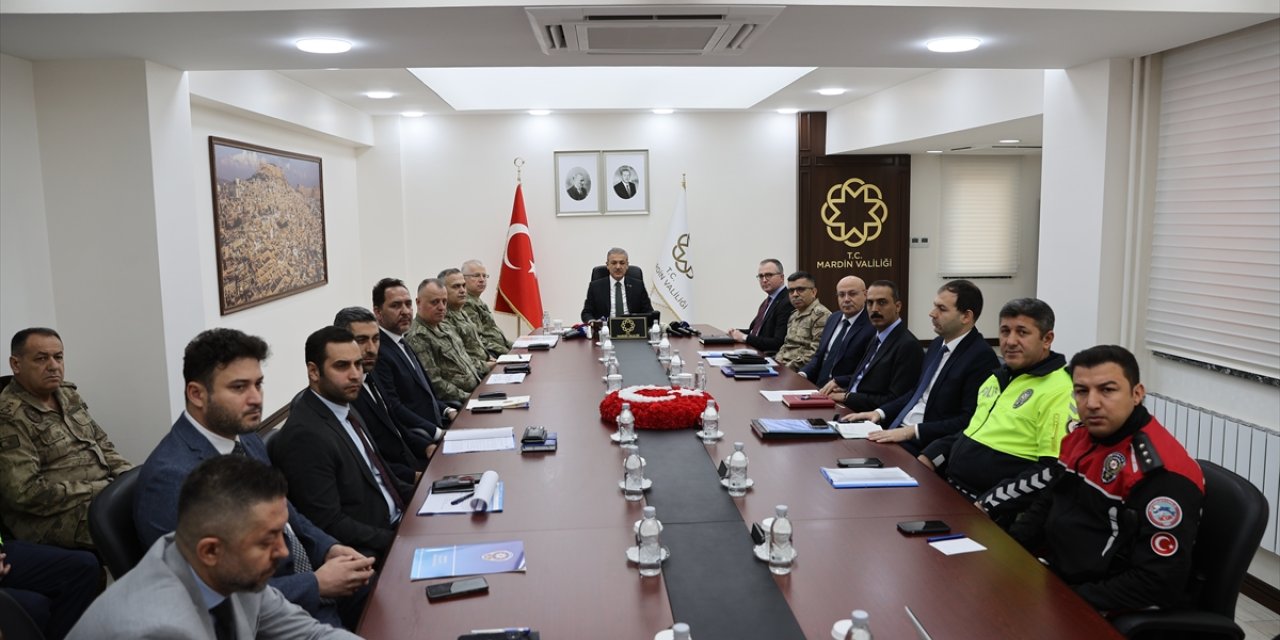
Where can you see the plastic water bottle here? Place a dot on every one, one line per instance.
(700, 376)
(680, 631)
(710, 424)
(650, 548)
(655, 333)
(664, 348)
(781, 553)
(738, 471)
(611, 367)
(861, 627)
(606, 349)
(633, 477)
(677, 365)
(604, 332)
(626, 424)
(546, 322)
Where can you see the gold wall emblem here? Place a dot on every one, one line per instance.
(854, 228)
(678, 252)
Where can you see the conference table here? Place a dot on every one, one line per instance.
(567, 509)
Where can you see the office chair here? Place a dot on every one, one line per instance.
(4, 381)
(111, 524)
(603, 272)
(15, 624)
(1232, 521)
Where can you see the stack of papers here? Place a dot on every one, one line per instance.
(513, 402)
(852, 430)
(776, 396)
(471, 440)
(443, 502)
(510, 358)
(762, 370)
(523, 342)
(506, 378)
(860, 478)
(720, 354)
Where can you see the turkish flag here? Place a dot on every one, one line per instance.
(518, 283)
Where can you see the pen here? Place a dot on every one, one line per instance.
(459, 501)
(507, 630)
(954, 536)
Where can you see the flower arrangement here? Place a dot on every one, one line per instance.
(656, 407)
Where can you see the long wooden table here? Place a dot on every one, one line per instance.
(567, 509)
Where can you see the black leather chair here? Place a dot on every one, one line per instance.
(15, 624)
(111, 524)
(603, 271)
(1232, 521)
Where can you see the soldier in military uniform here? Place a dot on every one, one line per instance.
(477, 279)
(460, 323)
(53, 457)
(804, 328)
(453, 372)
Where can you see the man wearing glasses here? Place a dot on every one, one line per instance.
(804, 329)
(768, 330)
(493, 339)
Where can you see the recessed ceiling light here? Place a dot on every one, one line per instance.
(412, 114)
(953, 45)
(832, 91)
(788, 111)
(664, 112)
(934, 151)
(323, 45)
(1010, 141)
(539, 112)
(380, 95)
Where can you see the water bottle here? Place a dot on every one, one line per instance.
(611, 367)
(626, 424)
(606, 349)
(664, 348)
(546, 322)
(710, 424)
(861, 627)
(677, 365)
(738, 471)
(700, 376)
(633, 477)
(650, 550)
(781, 553)
(655, 333)
(680, 631)
(604, 332)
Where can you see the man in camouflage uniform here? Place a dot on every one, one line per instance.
(477, 279)
(804, 328)
(444, 358)
(53, 457)
(458, 321)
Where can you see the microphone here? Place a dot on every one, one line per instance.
(679, 329)
(690, 329)
(576, 331)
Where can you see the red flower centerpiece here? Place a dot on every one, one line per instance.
(656, 407)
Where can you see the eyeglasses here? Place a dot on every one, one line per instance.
(482, 276)
(766, 276)
(799, 289)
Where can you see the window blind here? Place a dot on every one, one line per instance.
(979, 217)
(1214, 289)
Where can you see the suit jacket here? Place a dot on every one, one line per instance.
(954, 395)
(895, 369)
(410, 398)
(621, 189)
(576, 193)
(329, 480)
(390, 438)
(155, 505)
(773, 327)
(597, 303)
(846, 356)
(160, 598)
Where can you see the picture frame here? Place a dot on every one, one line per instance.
(627, 175)
(268, 223)
(577, 183)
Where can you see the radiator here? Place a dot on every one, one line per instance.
(1249, 450)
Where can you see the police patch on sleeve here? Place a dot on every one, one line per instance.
(1164, 544)
(1111, 466)
(1164, 513)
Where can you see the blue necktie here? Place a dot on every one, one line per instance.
(925, 379)
(866, 364)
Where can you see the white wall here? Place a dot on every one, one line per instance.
(741, 168)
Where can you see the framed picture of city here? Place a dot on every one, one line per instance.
(268, 223)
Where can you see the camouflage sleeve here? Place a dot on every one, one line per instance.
(114, 460)
(24, 485)
(445, 389)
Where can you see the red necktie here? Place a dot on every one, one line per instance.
(755, 324)
(376, 461)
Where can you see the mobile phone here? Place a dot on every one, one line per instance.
(486, 409)
(494, 395)
(457, 588)
(917, 527)
(818, 423)
(745, 376)
(860, 463)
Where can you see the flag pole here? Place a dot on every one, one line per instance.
(518, 162)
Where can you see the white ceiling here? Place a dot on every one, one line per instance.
(863, 48)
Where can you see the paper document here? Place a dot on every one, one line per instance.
(776, 396)
(958, 545)
(523, 342)
(505, 378)
(471, 440)
(508, 358)
(467, 560)
(511, 402)
(862, 478)
(852, 430)
(443, 502)
(720, 353)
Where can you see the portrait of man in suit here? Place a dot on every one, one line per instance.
(578, 185)
(625, 187)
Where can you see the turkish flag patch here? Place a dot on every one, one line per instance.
(1164, 544)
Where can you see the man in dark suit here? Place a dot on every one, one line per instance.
(844, 338)
(946, 394)
(223, 373)
(336, 476)
(616, 294)
(626, 186)
(768, 330)
(891, 362)
(578, 187)
(391, 439)
(404, 386)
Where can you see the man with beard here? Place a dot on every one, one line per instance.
(209, 578)
(223, 373)
(408, 392)
(891, 361)
(336, 476)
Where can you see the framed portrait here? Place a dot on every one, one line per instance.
(577, 183)
(268, 223)
(627, 174)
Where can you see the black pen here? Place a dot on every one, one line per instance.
(458, 501)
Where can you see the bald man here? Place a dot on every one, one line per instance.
(844, 338)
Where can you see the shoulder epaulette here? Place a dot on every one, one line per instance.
(1148, 458)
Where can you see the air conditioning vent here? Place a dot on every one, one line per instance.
(647, 30)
